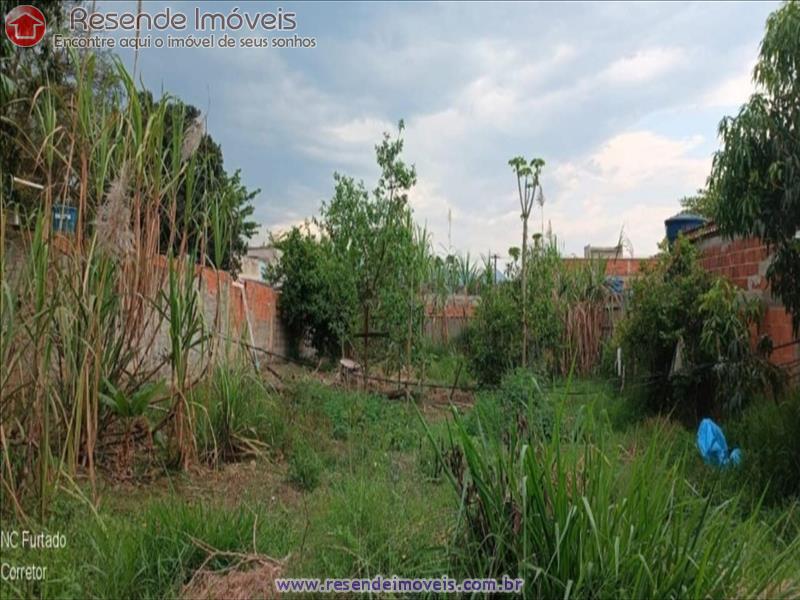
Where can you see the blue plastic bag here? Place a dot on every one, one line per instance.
(713, 447)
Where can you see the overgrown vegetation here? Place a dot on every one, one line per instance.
(686, 334)
(585, 520)
(166, 470)
(81, 313)
(588, 502)
(358, 284)
(568, 305)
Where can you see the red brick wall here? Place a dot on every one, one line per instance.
(745, 261)
(236, 301)
(615, 267)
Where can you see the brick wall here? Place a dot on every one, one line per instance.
(234, 311)
(444, 323)
(249, 310)
(745, 262)
(624, 268)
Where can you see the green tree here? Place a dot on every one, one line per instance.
(686, 335)
(361, 277)
(210, 205)
(373, 234)
(317, 292)
(702, 203)
(756, 173)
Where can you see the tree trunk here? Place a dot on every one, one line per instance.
(524, 292)
(366, 345)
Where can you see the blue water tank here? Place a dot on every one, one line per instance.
(65, 218)
(682, 222)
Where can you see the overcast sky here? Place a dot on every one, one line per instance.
(621, 100)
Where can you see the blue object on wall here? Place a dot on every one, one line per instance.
(65, 218)
(682, 222)
(615, 284)
(713, 447)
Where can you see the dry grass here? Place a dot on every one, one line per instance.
(249, 583)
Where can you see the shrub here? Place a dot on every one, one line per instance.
(686, 335)
(565, 308)
(317, 301)
(239, 416)
(305, 466)
(519, 401)
(493, 340)
(769, 435)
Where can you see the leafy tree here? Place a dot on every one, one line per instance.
(317, 293)
(210, 205)
(362, 277)
(702, 203)
(756, 173)
(373, 235)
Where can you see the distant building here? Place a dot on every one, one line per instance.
(255, 263)
(590, 251)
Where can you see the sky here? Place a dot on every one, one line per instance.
(621, 100)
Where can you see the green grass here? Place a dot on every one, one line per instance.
(611, 515)
(149, 553)
(350, 485)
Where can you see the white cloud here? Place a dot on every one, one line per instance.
(361, 131)
(645, 65)
(634, 158)
(733, 91)
(594, 91)
(633, 180)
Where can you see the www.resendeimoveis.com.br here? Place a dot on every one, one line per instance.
(395, 584)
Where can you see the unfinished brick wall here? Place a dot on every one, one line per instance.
(249, 310)
(745, 262)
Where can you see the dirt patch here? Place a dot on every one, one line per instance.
(256, 582)
(260, 481)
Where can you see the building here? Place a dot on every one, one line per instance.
(256, 262)
(590, 251)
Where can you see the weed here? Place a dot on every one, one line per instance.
(305, 466)
(586, 521)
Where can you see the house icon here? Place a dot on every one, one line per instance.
(25, 25)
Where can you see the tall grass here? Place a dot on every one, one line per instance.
(237, 416)
(82, 315)
(587, 520)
